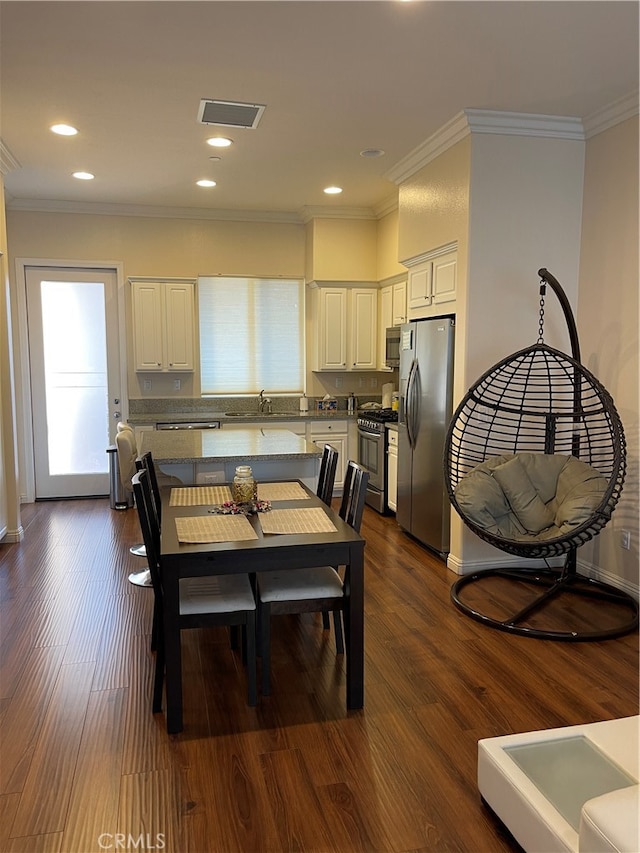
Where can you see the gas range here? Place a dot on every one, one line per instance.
(375, 419)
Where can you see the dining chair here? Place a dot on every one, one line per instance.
(204, 601)
(326, 480)
(309, 590)
(327, 475)
(127, 467)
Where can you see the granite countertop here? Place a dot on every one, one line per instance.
(248, 418)
(215, 445)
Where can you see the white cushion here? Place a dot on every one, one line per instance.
(216, 594)
(300, 584)
(610, 822)
(127, 453)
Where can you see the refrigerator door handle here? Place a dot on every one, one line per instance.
(411, 404)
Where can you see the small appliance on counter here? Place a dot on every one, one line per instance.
(387, 391)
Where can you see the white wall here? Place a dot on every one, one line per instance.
(608, 321)
(525, 201)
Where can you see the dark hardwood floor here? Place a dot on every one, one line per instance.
(86, 766)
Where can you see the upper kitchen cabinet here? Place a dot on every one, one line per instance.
(163, 324)
(432, 278)
(392, 311)
(344, 326)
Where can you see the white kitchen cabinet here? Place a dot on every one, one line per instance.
(392, 311)
(335, 433)
(363, 349)
(297, 427)
(392, 469)
(432, 279)
(345, 328)
(399, 303)
(163, 325)
(443, 281)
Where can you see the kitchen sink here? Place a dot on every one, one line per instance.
(250, 414)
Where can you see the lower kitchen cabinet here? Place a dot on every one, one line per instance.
(336, 434)
(392, 469)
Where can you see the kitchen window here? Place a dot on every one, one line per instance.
(251, 335)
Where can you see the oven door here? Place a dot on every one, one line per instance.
(372, 457)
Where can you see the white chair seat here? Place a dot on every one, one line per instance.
(219, 594)
(610, 823)
(299, 585)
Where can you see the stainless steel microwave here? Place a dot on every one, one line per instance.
(392, 347)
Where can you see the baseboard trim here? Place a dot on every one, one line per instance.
(467, 567)
(12, 536)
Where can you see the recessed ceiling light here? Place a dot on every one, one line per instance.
(333, 190)
(206, 183)
(63, 129)
(219, 142)
(83, 176)
(214, 158)
(372, 152)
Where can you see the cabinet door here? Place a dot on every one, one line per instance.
(444, 278)
(385, 320)
(399, 304)
(339, 442)
(147, 325)
(364, 340)
(392, 477)
(420, 286)
(333, 329)
(179, 321)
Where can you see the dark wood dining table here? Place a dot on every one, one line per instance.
(342, 547)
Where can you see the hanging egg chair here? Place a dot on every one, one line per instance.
(535, 460)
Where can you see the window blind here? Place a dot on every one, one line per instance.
(251, 335)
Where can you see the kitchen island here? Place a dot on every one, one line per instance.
(211, 455)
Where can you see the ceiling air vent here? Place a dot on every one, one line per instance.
(230, 113)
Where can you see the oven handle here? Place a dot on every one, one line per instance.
(372, 433)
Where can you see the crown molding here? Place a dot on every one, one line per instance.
(618, 111)
(524, 124)
(386, 206)
(149, 211)
(435, 145)
(470, 121)
(8, 163)
(309, 212)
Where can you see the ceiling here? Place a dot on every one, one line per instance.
(336, 78)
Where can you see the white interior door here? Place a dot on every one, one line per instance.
(72, 318)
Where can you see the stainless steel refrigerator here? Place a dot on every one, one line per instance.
(426, 383)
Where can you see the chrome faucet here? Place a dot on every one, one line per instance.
(264, 402)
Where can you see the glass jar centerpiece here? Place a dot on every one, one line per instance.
(244, 489)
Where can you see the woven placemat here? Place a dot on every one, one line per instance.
(281, 492)
(312, 520)
(200, 495)
(214, 528)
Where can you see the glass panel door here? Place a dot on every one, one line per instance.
(72, 316)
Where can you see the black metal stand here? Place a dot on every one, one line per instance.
(552, 582)
(548, 584)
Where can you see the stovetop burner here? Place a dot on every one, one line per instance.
(379, 415)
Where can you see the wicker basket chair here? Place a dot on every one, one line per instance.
(539, 411)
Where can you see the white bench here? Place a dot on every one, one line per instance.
(589, 774)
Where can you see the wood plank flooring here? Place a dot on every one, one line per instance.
(85, 766)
